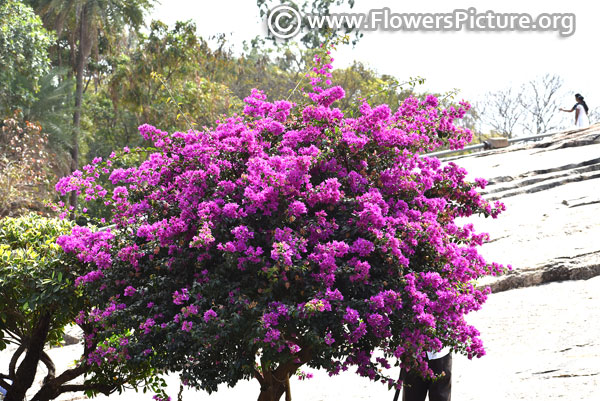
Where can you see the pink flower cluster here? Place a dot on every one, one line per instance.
(324, 232)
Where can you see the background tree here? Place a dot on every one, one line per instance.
(24, 57)
(540, 99)
(362, 83)
(27, 168)
(170, 72)
(312, 38)
(594, 115)
(85, 21)
(166, 76)
(502, 111)
(52, 111)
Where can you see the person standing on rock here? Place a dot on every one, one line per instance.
(581, 112)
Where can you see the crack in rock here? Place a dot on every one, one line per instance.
(559, 269)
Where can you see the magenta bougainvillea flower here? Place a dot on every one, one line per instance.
(290, 235)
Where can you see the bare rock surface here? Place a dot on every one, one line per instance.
(542, 344)
(551, 189)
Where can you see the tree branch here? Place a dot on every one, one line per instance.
(50, 365)
(70, 374)
(102, 388)
(3, 383)
(258, 377)
(13, 361)
(25, 374)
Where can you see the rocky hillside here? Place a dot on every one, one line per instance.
(551, 188)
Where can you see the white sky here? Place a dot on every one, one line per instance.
(474, 62)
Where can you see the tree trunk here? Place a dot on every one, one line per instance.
(275, 383)
(83, 52)
(25, 374)
(55, 386)
(58, 52)
(77, 117)
(273, 388)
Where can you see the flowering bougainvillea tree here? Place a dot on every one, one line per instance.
(288, 236)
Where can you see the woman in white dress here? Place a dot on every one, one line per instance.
(581, 112)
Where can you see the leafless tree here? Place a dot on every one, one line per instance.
(501, 111)
(539, 99)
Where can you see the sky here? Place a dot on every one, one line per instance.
(473, 62)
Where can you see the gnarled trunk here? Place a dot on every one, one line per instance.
(274, 383)
(274, 387)
(25, 374)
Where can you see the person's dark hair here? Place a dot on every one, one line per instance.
(580, 100)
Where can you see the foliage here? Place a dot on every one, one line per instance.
(39, 297)
(312, 38)
(36, 277)
(23, 54)
(165, 76)
(26, 167)
(87, 22)
(174, 56)
(290, 235)
(172, 77)
(361, 83)
(103, 22)
(53, 111)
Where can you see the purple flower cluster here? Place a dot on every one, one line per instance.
(313, 230)
(209, 315)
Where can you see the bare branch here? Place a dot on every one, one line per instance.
(540, 100)
(502, 111)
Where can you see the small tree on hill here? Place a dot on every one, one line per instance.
(286, 236)
(502, 111)
(540, 99)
